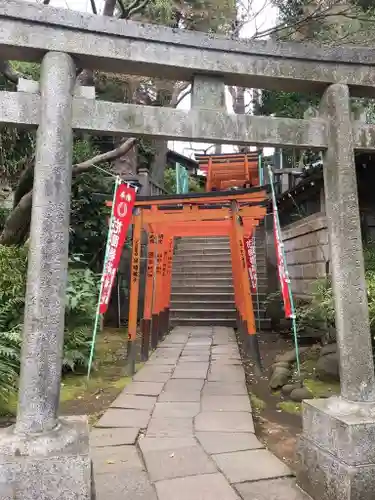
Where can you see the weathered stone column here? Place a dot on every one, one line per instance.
(43, 457)
(338, 441)
(208, 92)
(48, 254)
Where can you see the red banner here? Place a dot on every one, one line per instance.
(283, 277)
(249, 242)
(120, 221)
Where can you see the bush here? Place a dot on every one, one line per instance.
(79, 316)
(321, 309)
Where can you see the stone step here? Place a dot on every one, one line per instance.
(184, 279)
(201, 296)
(204, 239)
(202, 289)
(206, 246)
(203, 267)
(203, 258)
(202, 313)
(201, 273)
(202, 304)
(203, 322)
(206, 280)
(214, 250)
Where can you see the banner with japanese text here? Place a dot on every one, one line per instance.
(249, 242)
(121, 218)
(283, 277)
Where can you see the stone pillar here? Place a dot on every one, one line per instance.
(43, 457)
(338, 440)
(208, 92)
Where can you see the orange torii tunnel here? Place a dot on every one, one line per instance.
(225, 171)
(165, 219)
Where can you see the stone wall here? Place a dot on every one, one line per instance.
(307, 252)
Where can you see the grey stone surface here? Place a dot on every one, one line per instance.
(178, 462)
(341, 197)
(202, 487)
(124, 418)
(279, 377)
(272, 489)
(176, 410)
(229, 403)
(134, 401)
(302, 63)
(223, 442)
(251, 465)
(175, 396)
(129, 485)
(43, 331)
(147, 444)
(120, 119)
(300, 394)
(170, 427)
(224, 389)
(144, 388)
(113, 437)
(191, 371)
(324, 477)
(47, 466)
(115, 459)
(224, 422)
(152, 374)
(225, 373)
(343, 429)
(327, 367)
(184, 385)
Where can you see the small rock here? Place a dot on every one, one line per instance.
(279, 378)
(327, 367)
(280, 364)
(288, 388)
(289, 356)
(299, 394)
(328, 349)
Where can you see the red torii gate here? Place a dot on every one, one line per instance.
(233, 214)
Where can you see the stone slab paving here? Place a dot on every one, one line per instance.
(183, 429)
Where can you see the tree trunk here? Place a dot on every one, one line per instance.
(159, 161)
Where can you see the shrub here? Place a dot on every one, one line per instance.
(81, 299)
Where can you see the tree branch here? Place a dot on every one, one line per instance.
(93, 7)
(112, 155)
(133, 8)
(9, 73)
(17, 224)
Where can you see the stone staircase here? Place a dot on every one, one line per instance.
(202, 288)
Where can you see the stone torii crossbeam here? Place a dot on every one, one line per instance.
(45, 457)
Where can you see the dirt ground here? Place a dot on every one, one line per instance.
(277, 429)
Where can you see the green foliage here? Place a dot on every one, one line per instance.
(170, 182)
(81, 299)
(88, 220)
(320, 310)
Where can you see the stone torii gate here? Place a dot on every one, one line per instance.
(48, 458)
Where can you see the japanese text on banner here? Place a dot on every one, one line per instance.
(249, 242)
(283, 278)
(121, 218)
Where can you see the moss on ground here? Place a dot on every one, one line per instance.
(321, 389)
(290, 407)
(108, 378)
(257, 404)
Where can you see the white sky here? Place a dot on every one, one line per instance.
(263, 16)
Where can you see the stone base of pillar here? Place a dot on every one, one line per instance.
(337, 450)
(48, 466)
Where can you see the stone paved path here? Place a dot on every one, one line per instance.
(183, 429)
